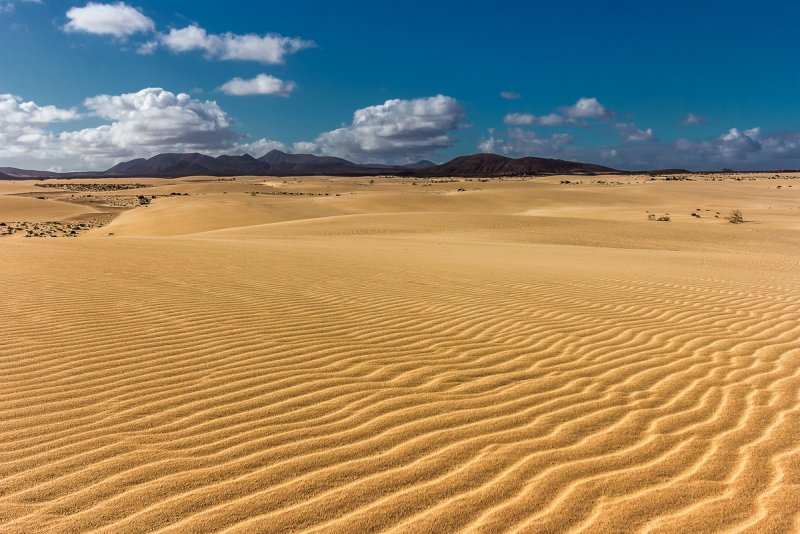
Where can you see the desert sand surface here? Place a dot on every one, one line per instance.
(328, 355)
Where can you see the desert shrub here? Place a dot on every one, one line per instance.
(735, 217)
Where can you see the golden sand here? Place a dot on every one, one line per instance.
(522, 355)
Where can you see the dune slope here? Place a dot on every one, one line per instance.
(354, 366)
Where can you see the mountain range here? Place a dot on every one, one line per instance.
(278, 163)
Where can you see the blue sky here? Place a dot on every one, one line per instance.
(87, 85)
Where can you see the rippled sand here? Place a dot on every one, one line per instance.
(521, 355)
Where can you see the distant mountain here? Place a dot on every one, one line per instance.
(192, 164)
(13, 172)
(281, 162)
(274, 163)
(421, 164)
(278, 163)
(495, 165)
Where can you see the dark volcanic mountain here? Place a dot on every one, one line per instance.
(277, 163)
(281, 162)
(421, 164)
(494, 165)
(174, 165)
(13, 172)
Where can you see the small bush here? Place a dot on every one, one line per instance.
(735, 217)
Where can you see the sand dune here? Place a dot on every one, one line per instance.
(520, 356)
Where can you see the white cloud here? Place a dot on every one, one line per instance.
(587, 108)
(154, 120)
(748, 149)
(517, 142)
(138, 124)
(270, 48)
(574, 115)
(693, 120)
(397, 130)
(118, 20)
(263, 84)
(736, 144)
(147, 48)
(527, 119)
(148, 122)
(23, 125)
(553, 119)
(305, 147)
(13, 111)
(782, 145)
(256, 148)
(631, 133)
(738, 149)
(190, 38)
(520, 119)
(510, 95)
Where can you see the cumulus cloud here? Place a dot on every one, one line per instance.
(122, 21)
(144, 124)
(13, 111)
(395, 131)
(693, 120)
(118, 20)
(270, 48)
(147, 48)
(305, 147)
(738, 149)
(155, 119)
(517, 142)
(587, 108)
(748, 149)
(783, 146)
(519, 119)
(263, 84)
(527, 119)
(23, 125)
(631, 133)
(256, 148)
(574, 115)
(736, 145)
(510, 95)
(139, 124)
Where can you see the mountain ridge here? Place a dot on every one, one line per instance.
(279, 163)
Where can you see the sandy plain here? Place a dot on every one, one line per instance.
(329, 355)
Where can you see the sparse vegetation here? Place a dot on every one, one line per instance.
(93, 186)
(50, 228)
(735, 217)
